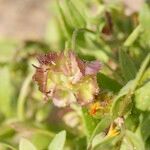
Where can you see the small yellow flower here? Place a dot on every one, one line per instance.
(94, 108)
(112, 131)
(101, 106)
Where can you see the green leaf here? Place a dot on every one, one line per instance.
(147, 144)
(126, 144)
(145, 77)
(101, 126)
(118, 102)
(66, 27)
(41, 138)
(135, 140)
(133, 36)
(132, 120)
(127, 66)
(106, 143)
(89, 122)
(144, 126)
(80, 143)
(26, 145)
(141, 71)
(81, 9)
(54, 35)
(58, 141)
(6, 91)
(76, 15)
(145, 17)
(142, 97)
(106, 82)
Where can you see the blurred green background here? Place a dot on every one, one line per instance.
(116, 32)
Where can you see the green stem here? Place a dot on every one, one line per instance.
(22, 97)
(133, 36)
(141, 71)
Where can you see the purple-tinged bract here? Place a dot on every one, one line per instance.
(66, 79)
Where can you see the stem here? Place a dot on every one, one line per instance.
(22, 97)
(141, 71)
(133, 36)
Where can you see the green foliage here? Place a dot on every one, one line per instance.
(25, 144)
(89, 122)
(142, 97)
(93, 30)
(58, 142)
(132, 141)
(124, 98)
(108, 83)
(128, 68)
(103, 124)
(5, 98)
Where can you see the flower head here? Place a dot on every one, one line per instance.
(94, 108)
(101, 106)
(65, 78)
(116, 127)
(113, 131)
